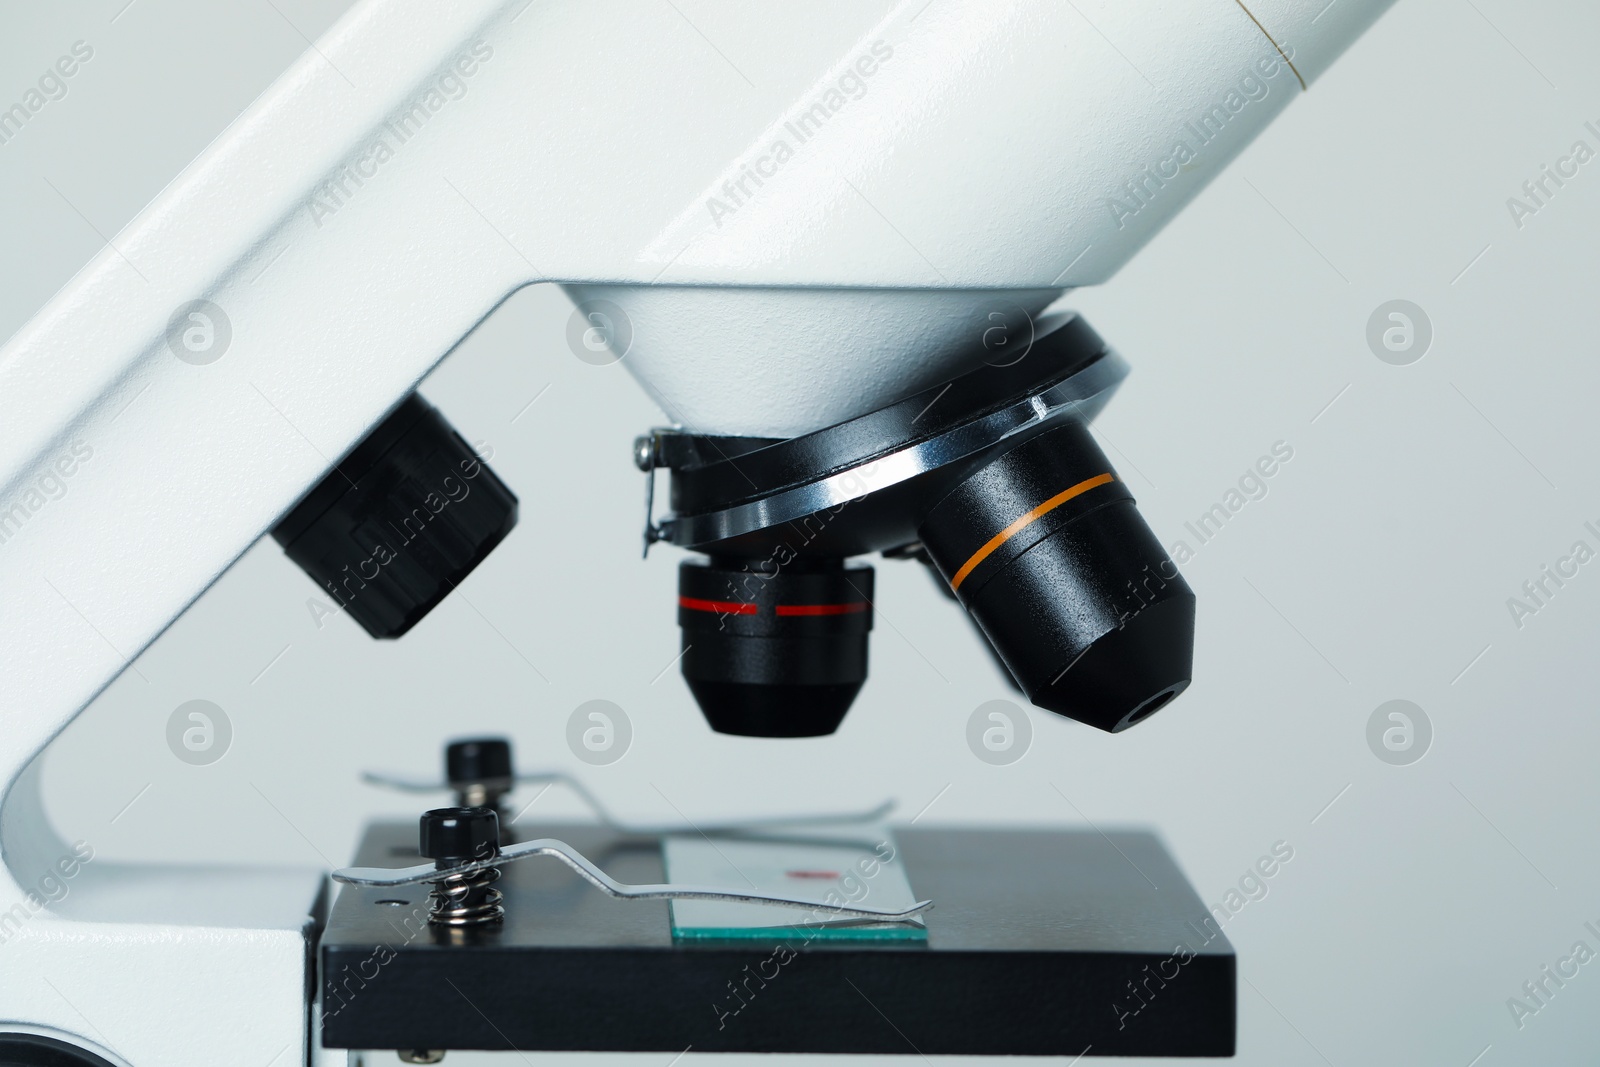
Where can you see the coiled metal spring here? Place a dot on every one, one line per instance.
(467, 899)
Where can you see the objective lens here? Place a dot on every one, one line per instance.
(1043, 545)
(774, 652)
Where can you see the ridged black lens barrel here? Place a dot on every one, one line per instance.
(403, 518)
(1043, 545)
(777, 652)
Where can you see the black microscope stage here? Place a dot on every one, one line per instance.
(1040, 942)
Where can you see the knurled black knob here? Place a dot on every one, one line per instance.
(455, 835)
(478, 759)
(400, 521)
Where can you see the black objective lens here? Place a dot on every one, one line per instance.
(1043, 545)
(774, 652)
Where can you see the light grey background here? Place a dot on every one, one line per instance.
(1419, 498)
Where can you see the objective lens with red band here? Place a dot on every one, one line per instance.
(774, 650)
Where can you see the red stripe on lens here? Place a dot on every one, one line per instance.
(823, 609)
(720, 607)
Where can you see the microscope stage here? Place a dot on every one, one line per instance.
(1040, 942)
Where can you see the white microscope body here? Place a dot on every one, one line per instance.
(799, 231)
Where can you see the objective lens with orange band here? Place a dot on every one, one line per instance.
(1025, 521)
(1044, 547)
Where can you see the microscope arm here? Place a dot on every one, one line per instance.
(425, 160)
(838, 186)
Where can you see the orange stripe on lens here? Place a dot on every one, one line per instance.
(1017, 527)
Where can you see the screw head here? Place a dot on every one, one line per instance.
(476, 760)
(644, 452)
(456, 835)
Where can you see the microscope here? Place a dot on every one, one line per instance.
(831, 254)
